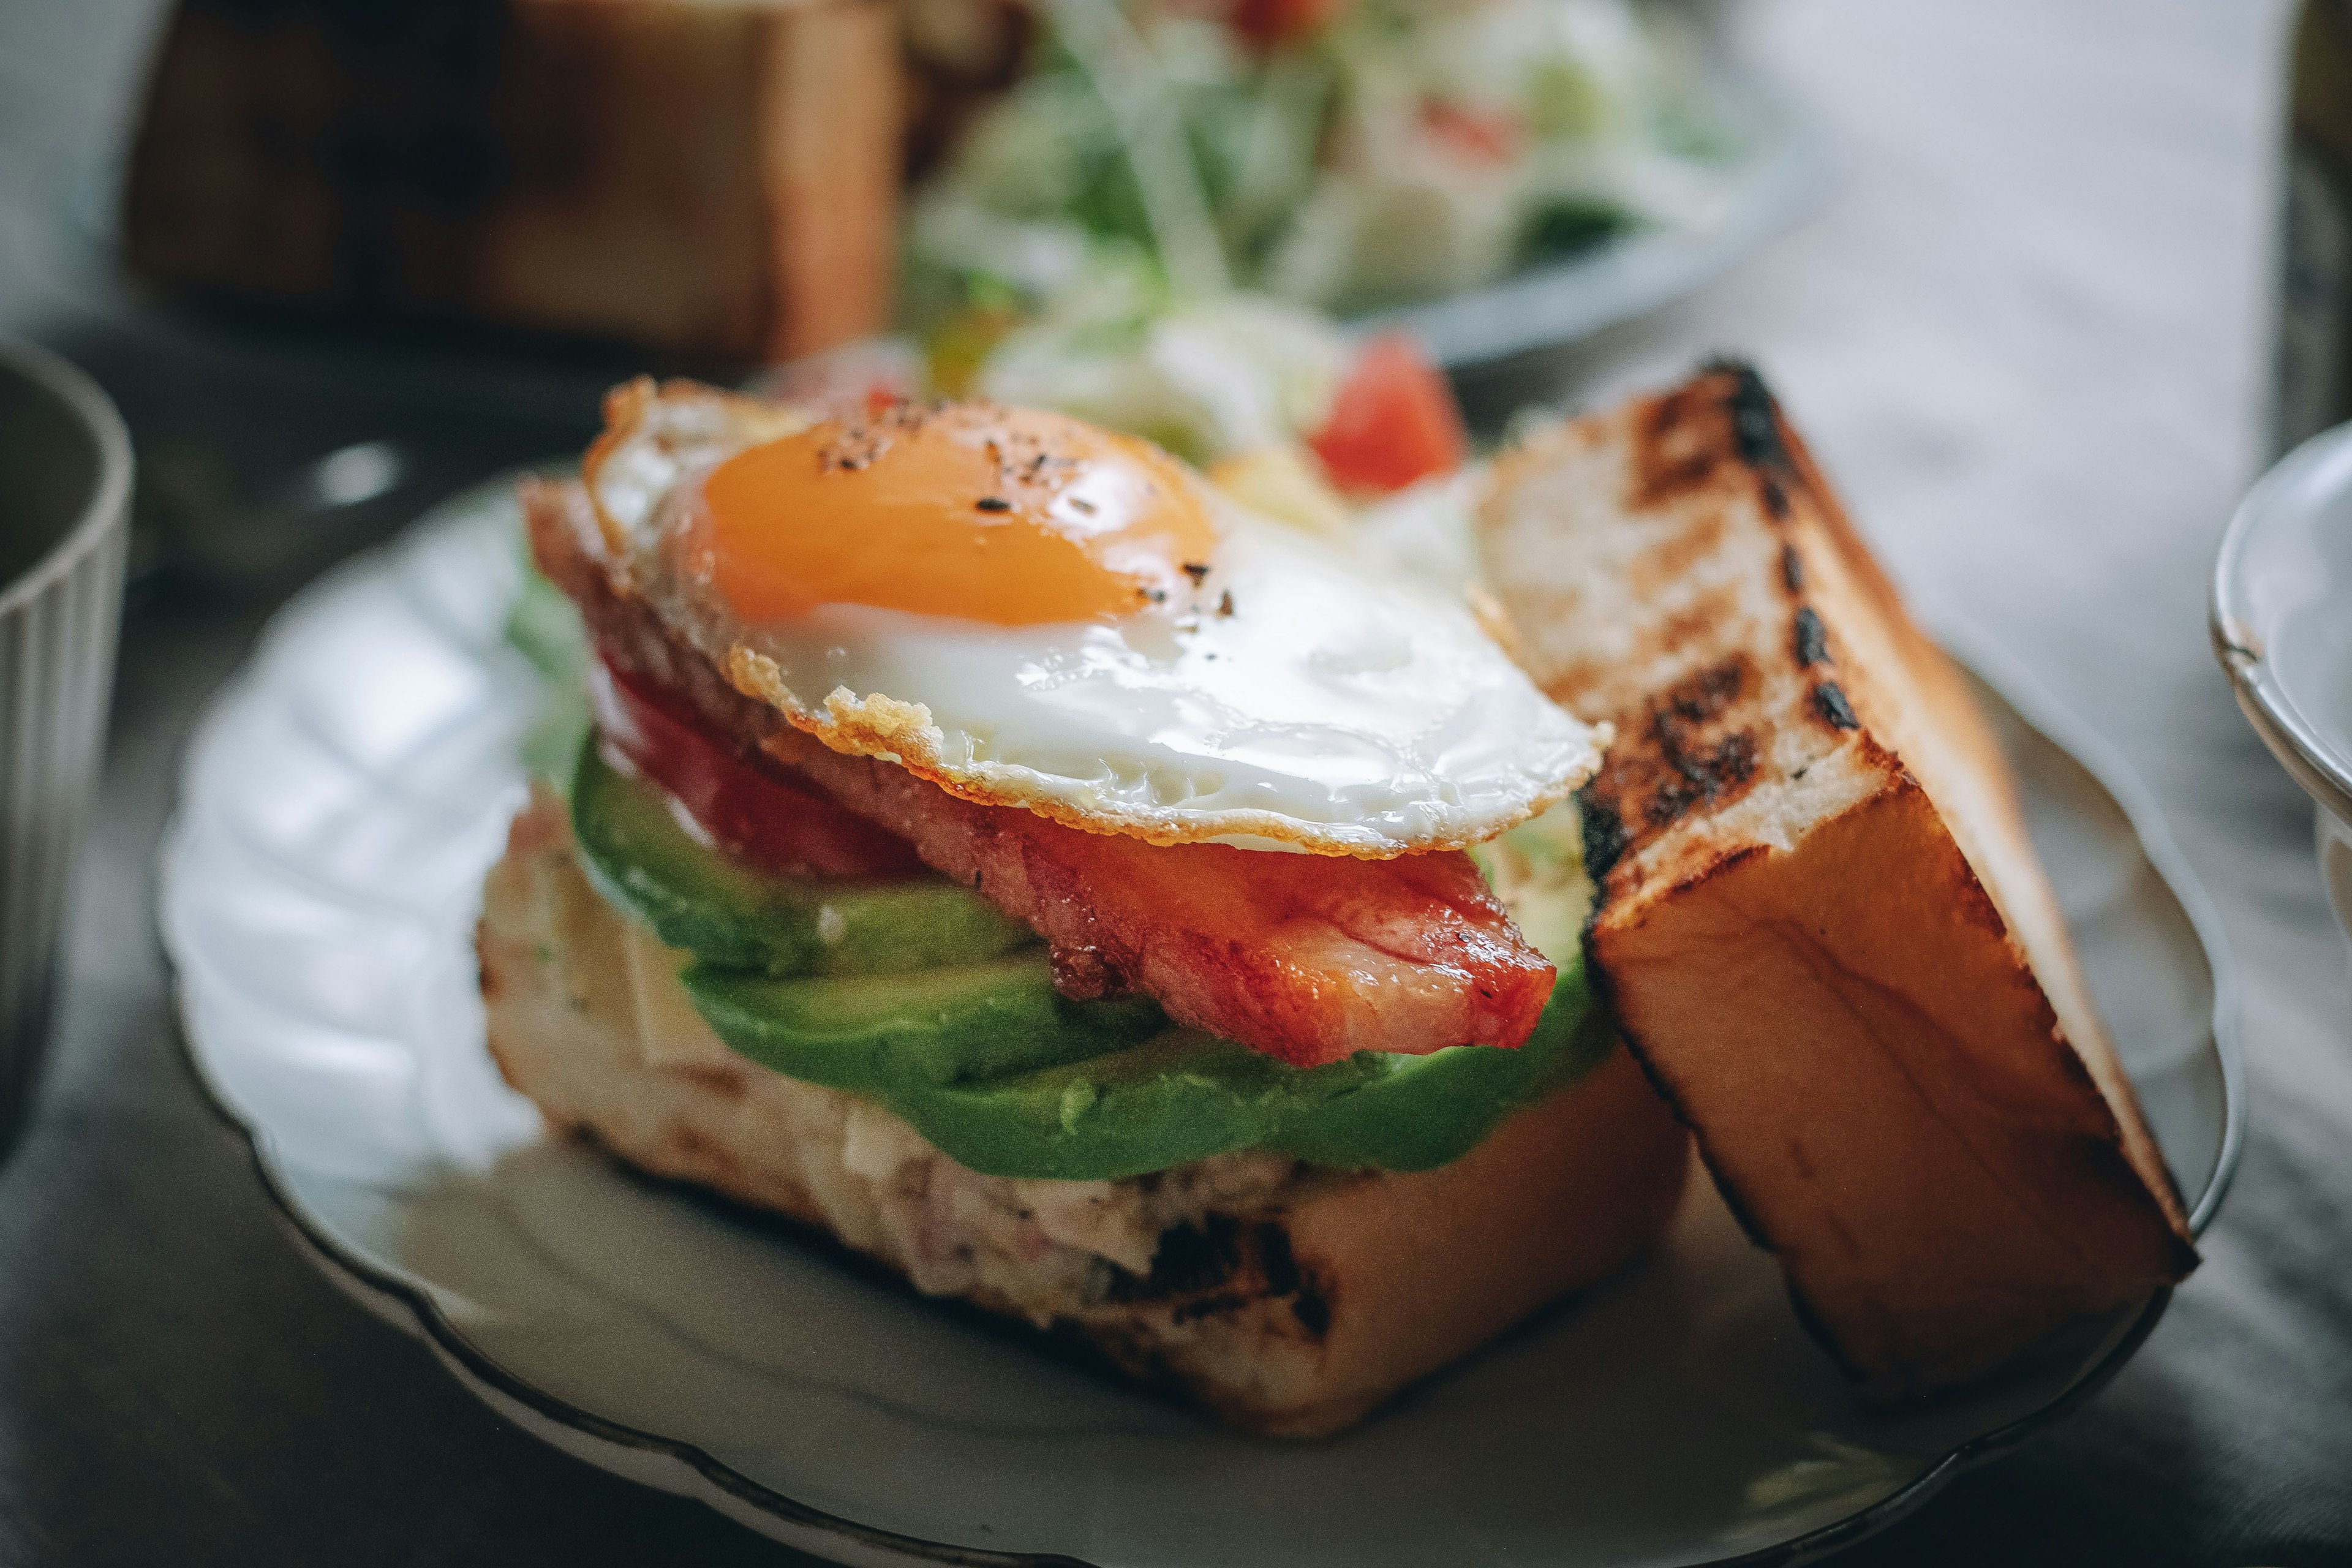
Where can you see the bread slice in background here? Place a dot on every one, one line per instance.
(716, 178)
(1821, 920)
(1285, 1299)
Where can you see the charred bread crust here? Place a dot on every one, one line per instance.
(1820, 918)
(1293, 1312)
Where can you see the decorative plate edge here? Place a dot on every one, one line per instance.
(683, 1470)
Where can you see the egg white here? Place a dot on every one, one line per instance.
(1298, 700)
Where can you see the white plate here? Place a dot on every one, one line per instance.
(341, 801)
(2282, 625)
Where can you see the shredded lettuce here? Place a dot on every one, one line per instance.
(1206, 378)
(545, 627)
(1404, 150)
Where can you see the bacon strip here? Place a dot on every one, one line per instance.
(1304, 957)
(775, 823)
(1307, 958)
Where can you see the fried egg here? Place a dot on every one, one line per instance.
(1034, 612)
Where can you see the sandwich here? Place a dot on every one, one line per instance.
(1011, 860)
(1819, 919)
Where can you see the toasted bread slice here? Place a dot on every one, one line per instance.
(1821, 920)
(1286, 1300)
(716, 178)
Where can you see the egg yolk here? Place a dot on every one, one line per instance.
(1009, 516)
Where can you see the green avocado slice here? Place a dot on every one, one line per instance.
(1185, 1096)
(897, 1037)
(734, 916)
(1009, 1080)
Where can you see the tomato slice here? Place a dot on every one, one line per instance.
(1270, 24)
(1476, 136)
(1394, 422)
(758, 810)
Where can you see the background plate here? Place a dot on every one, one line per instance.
(340, 802)
(1786, 169)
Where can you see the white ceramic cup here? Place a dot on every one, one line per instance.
(2335, 864)
(65, 501)
(2282, 625)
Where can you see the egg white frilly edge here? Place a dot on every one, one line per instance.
(1337, 709)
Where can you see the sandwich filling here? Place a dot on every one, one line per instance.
(1040, 989)
(588, 1011)
(913, 993)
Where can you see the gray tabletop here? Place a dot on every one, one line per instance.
(2028, 341)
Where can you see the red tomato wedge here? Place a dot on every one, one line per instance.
(1476, 136)
(749, 806)
(1307, 958)
(1394, 422)
(1270, 24)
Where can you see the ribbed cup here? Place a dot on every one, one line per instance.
(65, 494)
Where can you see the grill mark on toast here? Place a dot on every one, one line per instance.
(1755, 419)
(1676, 447)
(1192, 1260)
(1221, 1266)
(1829, 702)
(1762, 439)
(1702, 695)
(1684, 440)
(1687, 757)
(1605, 838)
(1275, 1260)
(1312, 1307)
(1703, 776)
(1811, 642)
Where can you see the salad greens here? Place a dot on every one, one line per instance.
(1379, 152)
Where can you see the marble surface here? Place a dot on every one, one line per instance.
(2027, 340)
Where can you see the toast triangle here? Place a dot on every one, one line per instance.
(1821, 920)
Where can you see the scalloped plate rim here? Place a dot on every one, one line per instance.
(682, 1468)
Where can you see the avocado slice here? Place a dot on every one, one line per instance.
(1009, 1080)
(545, 627)
(1185, 1096)
(900, 1037)
(733, 916)
(1537, 870)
